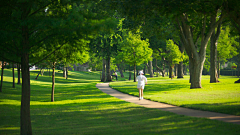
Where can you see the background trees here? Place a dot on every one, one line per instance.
(135, 51)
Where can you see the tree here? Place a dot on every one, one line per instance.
(174, 56)
(227, 46)
(193, 19)
(134, 50)
(26, 26)
(213, 53)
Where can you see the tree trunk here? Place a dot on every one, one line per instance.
(53, 81)
(129, 73)
(156, 67)
(26, 128)
(134, 73)
(218, 69)
(170, 72)
(150, 68)
(38, 74)
(144, 69)
(180, 73)
(175, 70)
(2, 76)
(13, 75)
(66, 72)
(103, 70)
(120, 70)
(163, 70)
(109, 79)
(19, 75)
(180, 70)
(196, 74)
(213, 54)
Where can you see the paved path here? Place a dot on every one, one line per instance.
(104, 87)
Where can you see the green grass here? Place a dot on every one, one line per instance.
(221, 97)
(80, 108)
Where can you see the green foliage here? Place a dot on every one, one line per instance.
(174, 55)
(227, 45)
(134, 50)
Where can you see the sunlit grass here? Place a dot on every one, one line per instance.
(80, 108)
(219, 97)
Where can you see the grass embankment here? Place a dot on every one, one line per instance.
(80, 108)
(221, 97)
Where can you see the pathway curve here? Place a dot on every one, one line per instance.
(104, 87)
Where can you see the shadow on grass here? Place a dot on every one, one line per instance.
(102, 119)
(227, 107)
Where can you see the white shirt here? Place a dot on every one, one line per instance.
(141, 79)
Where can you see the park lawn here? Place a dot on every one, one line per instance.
(223, 97)
(80, 108)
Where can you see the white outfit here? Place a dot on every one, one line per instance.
(141, 83)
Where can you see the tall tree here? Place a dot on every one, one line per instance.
(174, 56)
(134, 50)
(32, 24)
(227, 46)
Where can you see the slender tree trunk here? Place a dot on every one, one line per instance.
(213, 54)
(156, 67)
(13, 75)
(38, 74)
(134, 73)
(19, 74)
(190, 70)
(170, 71)
(163, 70)
(3, 65)
(150, 68)
(108, 69)
(129, 73)
(175, 70)
(26, 128)
(53, 81)
(180, 73)
(120, 70)
(218, 67)
(66, 72)
(144, 69)
(103, 70)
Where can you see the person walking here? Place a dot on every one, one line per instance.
(142, 80)
(116, 75)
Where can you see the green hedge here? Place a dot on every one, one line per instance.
(229, 72)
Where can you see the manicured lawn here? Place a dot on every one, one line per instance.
(221, 97)
(80, 108)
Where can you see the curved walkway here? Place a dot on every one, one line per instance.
(104, 87)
